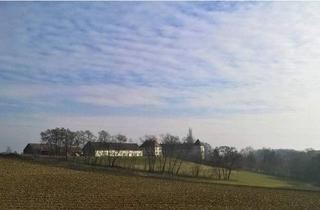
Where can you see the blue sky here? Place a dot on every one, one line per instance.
(237, 73)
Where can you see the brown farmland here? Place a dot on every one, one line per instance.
(28, 185)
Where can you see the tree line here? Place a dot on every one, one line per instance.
(175, 150)
(62, 140)
(293, 164)
(300, 165)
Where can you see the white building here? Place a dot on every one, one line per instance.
(120, 153)
(99, 149)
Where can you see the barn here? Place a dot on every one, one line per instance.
(36, 149)
(187, 151)
(151, 147)
(44, 149)
(99, 149)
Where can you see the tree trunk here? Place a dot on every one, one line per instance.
(164, 164)
(178, 169)
(229, 173)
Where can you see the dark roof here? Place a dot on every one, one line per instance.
(197, 142)
(45, 147)
(111, 145)
(35, 146)
(150, 143)
(183, 146)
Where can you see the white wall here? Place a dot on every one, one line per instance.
(120, 153)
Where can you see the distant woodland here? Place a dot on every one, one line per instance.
(299, 165)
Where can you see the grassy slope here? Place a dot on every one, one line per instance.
(248, 178)
(237, 177)
(27, 185)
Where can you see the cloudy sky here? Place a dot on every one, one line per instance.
(237, 73)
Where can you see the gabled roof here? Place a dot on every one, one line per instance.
(37, 146)
(197, 142)
(111, 146)
(45, 147)
(150, 143)
(184, 146)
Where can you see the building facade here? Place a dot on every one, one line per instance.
(101, 149)
(36, 149)
(151, 148)
(187, 151)
(45, 149)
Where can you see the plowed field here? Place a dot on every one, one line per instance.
(27, 185)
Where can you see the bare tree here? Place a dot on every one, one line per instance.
(52, 137)
(113, 147)
(59, 140)
(89, 136)
(225, 158)
(80, 138)
(167, 140)
(217, 162)
(195, 170)
(115, 156)
(46, 139)
(121, 138)
(148, 143)
(172, 151)
(69, 141)
(248, 159)
(104, 136)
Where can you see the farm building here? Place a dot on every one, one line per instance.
(198, 149)
(45, 149)
(151, 147)
(36, 149)
(99, 149)
(188, 151)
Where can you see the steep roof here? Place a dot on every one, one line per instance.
(197, 142)
(112, 146)
(183, 146)
(150, 143)
(37, 146)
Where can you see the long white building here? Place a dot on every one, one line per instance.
(99, 149)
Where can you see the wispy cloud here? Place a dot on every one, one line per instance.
(160, 59)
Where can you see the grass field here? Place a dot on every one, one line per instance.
(237, 178)
(29, 185)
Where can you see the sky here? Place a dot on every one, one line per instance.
(238, 74)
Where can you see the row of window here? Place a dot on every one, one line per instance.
(118, 153)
